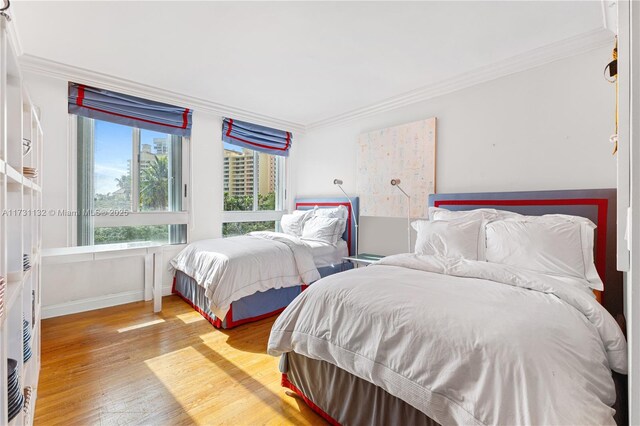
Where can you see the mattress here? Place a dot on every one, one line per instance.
(327, 254)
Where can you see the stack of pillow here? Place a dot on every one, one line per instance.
(552, 244)
(319, 224)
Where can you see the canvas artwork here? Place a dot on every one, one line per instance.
(407, 152)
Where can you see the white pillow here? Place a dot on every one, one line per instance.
(587, 229)
(319, 228)
(293, 223)
(541, 244)
(438, 213)
(340, 212)
(459, 238)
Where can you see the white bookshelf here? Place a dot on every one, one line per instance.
(20, 230)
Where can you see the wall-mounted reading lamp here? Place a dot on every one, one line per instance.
(338, 182)
(396, 183)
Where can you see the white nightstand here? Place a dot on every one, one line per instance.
(364, 259)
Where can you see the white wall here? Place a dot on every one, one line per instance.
(545, 128)
(50, 96)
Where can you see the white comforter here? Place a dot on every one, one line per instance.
(232, 268)
(465, 342)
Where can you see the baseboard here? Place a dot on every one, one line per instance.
(166, 290)
(92, 303)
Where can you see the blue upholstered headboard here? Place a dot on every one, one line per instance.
(598, 205)
(350, 233)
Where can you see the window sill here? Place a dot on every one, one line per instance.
(99, 252)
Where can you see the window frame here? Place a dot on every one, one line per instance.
(135, 217)
(255, 215)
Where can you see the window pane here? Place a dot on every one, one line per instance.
(238, 178)
(125, 168)
(112, 170)
(232, 229)
(128, 234)
(267, 181)
(154, 170)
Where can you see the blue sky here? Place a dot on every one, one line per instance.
(112, 150)
(232, 147)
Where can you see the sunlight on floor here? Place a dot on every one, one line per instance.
(200, 361)
(137, 326)
(190, 317)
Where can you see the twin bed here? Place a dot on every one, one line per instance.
(503, 327)
(429, 339)
(237, 280)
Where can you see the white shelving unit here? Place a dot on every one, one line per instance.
(20, 230)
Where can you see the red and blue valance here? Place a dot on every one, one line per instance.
(256, 137)
(128, 110)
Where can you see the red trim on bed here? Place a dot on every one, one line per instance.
(287, 384)
(214, 322)
(228, 320)
(230, 323)
(335, 204)
(602, 205)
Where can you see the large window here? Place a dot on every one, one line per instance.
(131, 184)
(253, 190)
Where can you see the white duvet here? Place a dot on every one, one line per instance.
(465, 342)
(232, 268)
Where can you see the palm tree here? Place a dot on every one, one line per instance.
(124, 183)
(154, 185)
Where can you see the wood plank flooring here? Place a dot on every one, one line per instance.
(126, 365)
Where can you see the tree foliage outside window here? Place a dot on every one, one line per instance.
(232, 229)
(128, 234)
(245, 202)
(118, 160)
(154, 185)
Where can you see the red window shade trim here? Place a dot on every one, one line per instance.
(80, 102)
(257, 144)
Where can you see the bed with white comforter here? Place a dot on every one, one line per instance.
(463, 341)
(232, 268)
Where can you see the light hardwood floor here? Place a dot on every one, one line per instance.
(126, 365)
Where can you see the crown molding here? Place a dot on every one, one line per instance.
(53, 69)
(534, 58)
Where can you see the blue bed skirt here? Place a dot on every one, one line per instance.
(255, 307)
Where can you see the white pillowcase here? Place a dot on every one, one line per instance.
(438, 213)
(458, 239)
(553, 244)
(324, 229)
(587, 229)
(340, 212)
(293, 223)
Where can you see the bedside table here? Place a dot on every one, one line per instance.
(364, 259)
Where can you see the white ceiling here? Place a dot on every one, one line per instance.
(295, 61)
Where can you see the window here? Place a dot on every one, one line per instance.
(131, 184)
(253, 190)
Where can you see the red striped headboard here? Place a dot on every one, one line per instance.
(349, 233)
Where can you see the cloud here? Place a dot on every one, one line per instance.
(105, 178)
